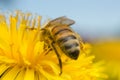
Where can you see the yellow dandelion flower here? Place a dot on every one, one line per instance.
(109, 51)
(22, 54)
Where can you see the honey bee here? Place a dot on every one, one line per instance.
(58, 32)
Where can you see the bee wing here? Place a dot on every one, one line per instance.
(61, 20)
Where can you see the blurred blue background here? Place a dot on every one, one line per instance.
(94, 18)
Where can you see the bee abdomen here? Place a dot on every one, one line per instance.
(67, 41)
(70, 46)
(73, 53)
(65, 38)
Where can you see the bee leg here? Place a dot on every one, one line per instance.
(49, 49)
(81, 43)
(58, 56)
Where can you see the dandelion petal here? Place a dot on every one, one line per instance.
(29, 74)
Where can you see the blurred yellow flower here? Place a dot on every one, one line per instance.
(110, 52)
(22, 55)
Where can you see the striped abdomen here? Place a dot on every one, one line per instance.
(67, 41)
